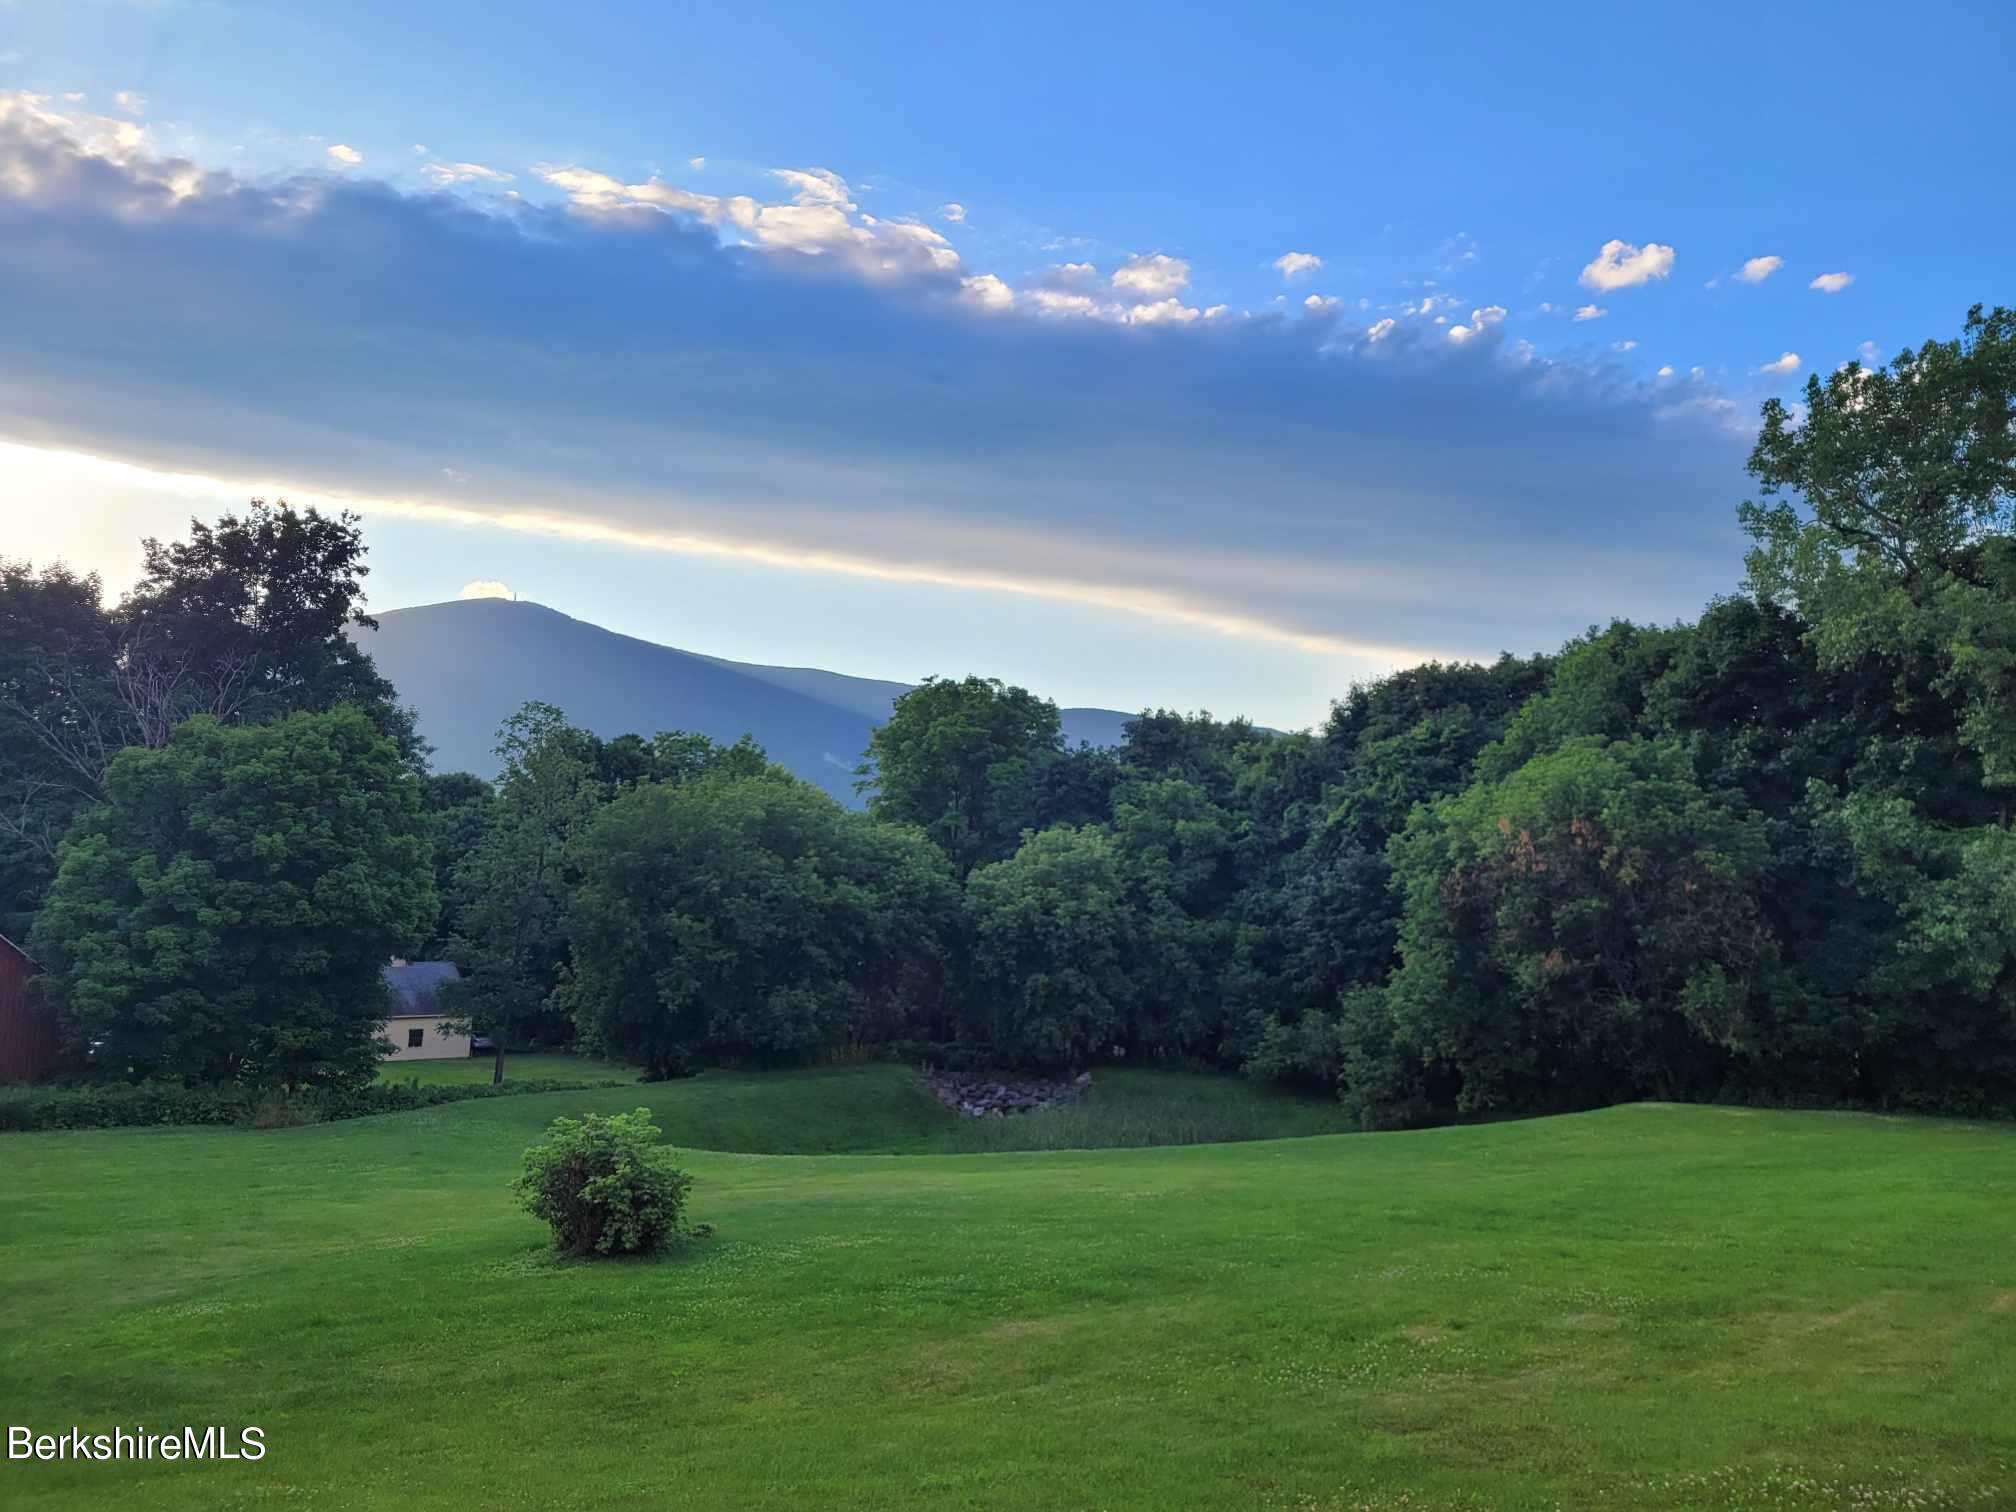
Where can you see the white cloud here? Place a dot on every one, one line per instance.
(1320, 302)
(484, 588)
(1788, 363)
(1058, 302)
(1214, 311)
(420, 149)
(1155, 276)
(116, 141)
(819, 220)
(347, 157)
(1591, 312)
(1171, 311)
(1666, 370)
(1480, 321)
(1620, 265)
(131, 103)
(1757, 269)
(465, 173)
(1832, 283)
(988, 291)
(1870, 356)
(1379, 330)
(1293, 263)
(952, 211)
(816, 186)
(696, 163)
(1623, 346)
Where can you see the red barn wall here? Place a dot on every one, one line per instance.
(27, 1032)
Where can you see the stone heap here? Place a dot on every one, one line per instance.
(980, 1094)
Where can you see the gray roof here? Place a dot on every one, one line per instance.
(414, 985)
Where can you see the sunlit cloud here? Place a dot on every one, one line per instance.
(799, 383)
(1620, 265)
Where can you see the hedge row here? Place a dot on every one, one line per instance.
(122, 1105)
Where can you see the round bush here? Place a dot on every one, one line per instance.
(605, 1185)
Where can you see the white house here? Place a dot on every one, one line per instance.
(414, 1023)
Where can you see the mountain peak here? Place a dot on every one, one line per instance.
(466, 665)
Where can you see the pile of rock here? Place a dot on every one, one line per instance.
(979, 1094)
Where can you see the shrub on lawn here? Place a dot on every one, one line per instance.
(605, 1185)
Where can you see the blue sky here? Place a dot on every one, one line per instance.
(1049, 343)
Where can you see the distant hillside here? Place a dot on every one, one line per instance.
(466, 666)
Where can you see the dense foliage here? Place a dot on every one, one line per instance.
(246, 621)
(1766, 855)
(224, 913)
(750, 917)
(605, 1185)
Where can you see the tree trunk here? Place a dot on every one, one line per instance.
(497, 1068)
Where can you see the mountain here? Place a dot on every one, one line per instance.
(468, 665)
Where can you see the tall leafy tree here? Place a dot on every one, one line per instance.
(961, 761)
(256, 613)
(509, 894)
(247, 620)
(57, 666)
(224, 913)
(455, 809)
(1054, 940)
(750, 916)
(1587, 928)
(1888, 519)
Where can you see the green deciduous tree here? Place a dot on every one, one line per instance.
(57, 664)
(1899, 541)
(510, 892)
(224, 913)
(1587, 928)
(257, 611)
(750, 916)
(960, 761)
(1054, 940)
(247, 620)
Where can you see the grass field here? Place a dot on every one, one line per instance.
(1650, 1307)
(479, 1068)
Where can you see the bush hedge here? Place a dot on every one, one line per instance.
(605, 1185)
(112, 1105)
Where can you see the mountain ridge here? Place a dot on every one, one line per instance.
(465, 665)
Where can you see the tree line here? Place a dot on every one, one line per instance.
(1765, 855)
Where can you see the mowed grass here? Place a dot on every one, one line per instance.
(1651, 1306)
(480, 1068)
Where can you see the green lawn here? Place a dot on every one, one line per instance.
(479, 1068)
(1649, 1307)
